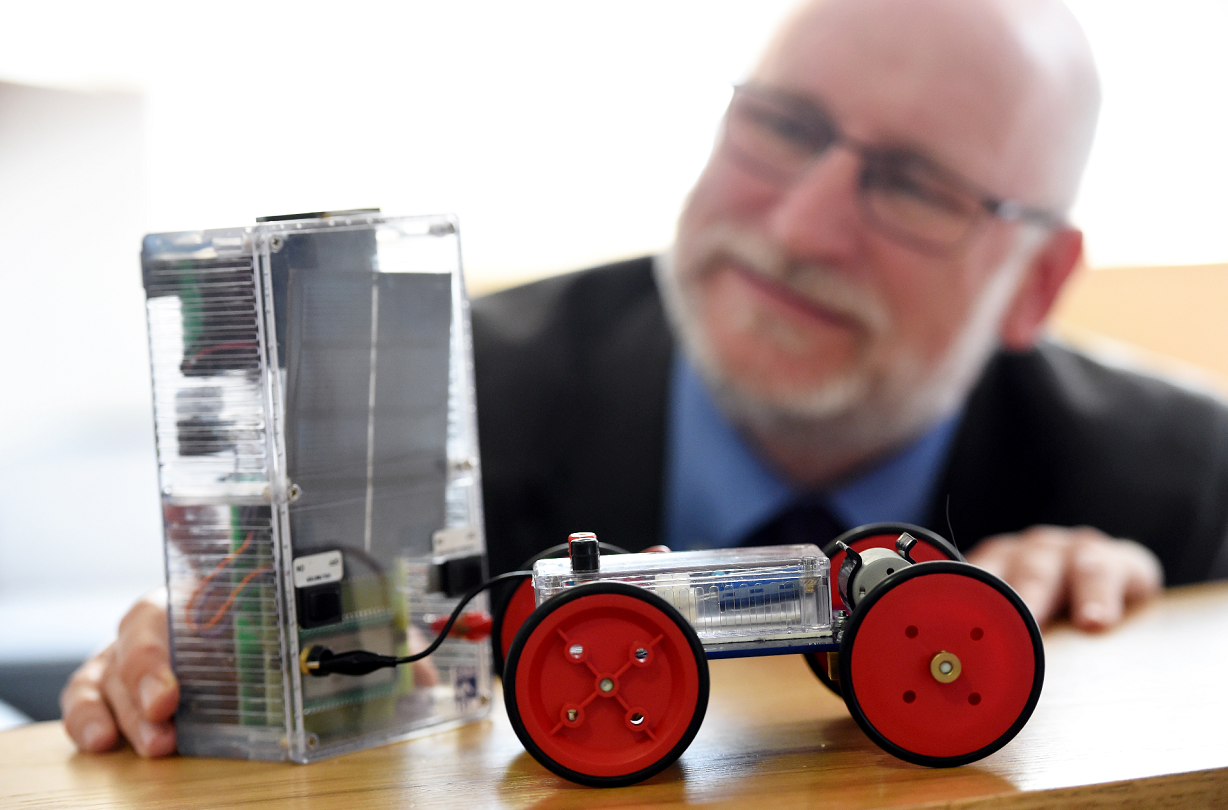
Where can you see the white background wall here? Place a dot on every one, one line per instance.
(562, 133)
(79, 521)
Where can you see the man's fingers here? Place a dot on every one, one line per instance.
(138, 685)
(993, 554)
(1034, 563)
(87, 719)
(126, 689)
(1107, 576)
(148, 738)
(1145, 573)
(1097, 585)
(1040, 580)
(142, 663)
(1053, 567)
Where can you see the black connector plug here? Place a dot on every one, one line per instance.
(320, 661)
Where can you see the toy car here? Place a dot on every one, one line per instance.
(606, 681)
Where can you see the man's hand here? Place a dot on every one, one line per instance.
(1081, 571)
(128, 689)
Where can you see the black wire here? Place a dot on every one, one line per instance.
(322, 661)
(456, 612)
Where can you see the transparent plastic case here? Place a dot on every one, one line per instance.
(745, 599)
(318, 465)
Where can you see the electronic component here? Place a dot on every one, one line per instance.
(739, 600)
(318, 464)
(606, 681)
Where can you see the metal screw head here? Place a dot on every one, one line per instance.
(575, 651)
(636, 719)
(276, 243)
(572, 714)
(945, 667)
(641, 654)
(606, 685)
(295, 492)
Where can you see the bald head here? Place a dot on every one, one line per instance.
(1003, 90)
(838, 276)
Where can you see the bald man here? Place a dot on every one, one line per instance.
(847, 329)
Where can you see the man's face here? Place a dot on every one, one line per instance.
(789, 298)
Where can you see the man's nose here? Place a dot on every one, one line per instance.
(819, 217)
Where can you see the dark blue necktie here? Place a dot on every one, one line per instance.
(805, 521)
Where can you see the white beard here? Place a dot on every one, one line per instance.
(880, 401)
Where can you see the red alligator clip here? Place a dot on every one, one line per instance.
(472, 626)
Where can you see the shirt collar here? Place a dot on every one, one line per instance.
(718, 490)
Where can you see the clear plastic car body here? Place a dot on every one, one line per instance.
(606, 680)
(740, 602)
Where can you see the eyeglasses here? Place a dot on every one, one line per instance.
(777, 136)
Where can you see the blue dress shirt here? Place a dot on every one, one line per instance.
(718, 491)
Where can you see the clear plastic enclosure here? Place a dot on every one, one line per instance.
(752, 599)
(318, 465)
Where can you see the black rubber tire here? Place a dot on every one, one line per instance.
(922, 534)
(580, 592)
(866, 606)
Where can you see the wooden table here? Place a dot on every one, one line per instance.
(1134, 718)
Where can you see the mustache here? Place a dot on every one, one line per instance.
(818, 284)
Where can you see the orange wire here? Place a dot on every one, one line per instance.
(233, 595)
(217, 616)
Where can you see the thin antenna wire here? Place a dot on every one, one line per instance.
(950, 528)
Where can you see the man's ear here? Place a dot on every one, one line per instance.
(1051, 267)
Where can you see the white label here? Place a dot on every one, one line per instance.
(451, 541)
(316, 569)
(465, 686)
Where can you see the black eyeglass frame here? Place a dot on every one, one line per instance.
(875, 157)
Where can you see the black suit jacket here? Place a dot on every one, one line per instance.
(572, 386)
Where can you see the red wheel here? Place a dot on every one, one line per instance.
(514, 603)
(606, 684)
(515, 613)
(930, 547)
(942, 664)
